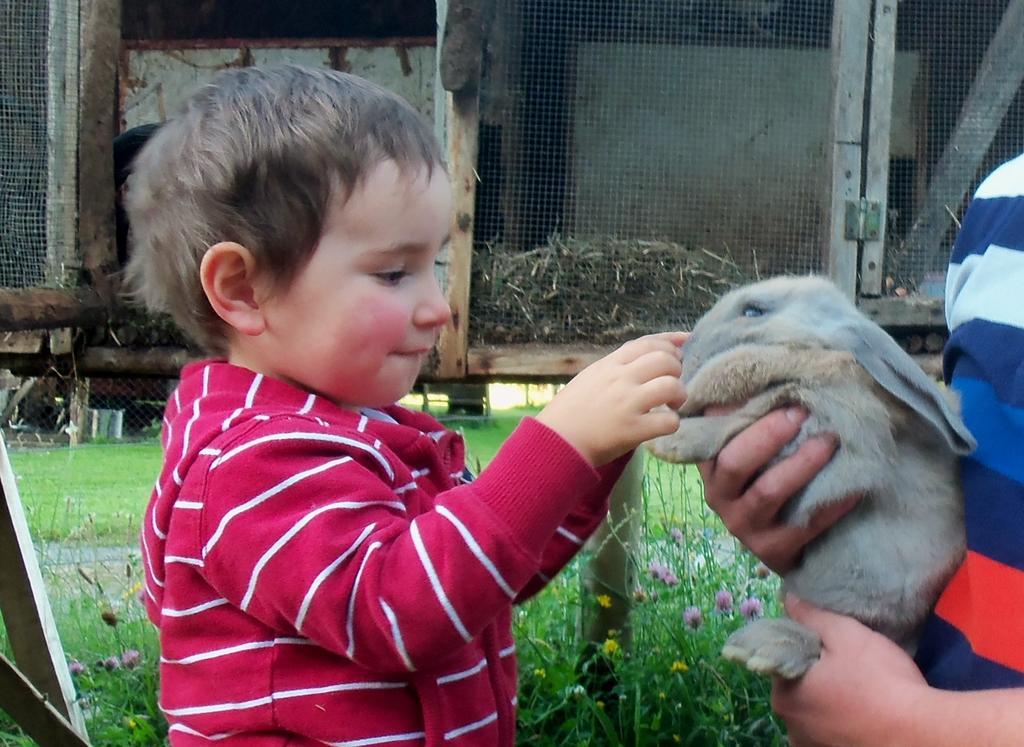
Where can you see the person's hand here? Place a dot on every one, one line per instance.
(618, 402)
(858, 693)
(749, 500)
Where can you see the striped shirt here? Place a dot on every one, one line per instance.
(975, 638)
(323, 576)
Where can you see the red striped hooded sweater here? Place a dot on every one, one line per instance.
(323, 576)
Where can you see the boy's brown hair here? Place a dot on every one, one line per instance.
(257, 156)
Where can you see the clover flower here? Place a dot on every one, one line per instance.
(677, 535)
(130, 658)
(723, 601)
(692, 617)
(752, 608)
(76, 667)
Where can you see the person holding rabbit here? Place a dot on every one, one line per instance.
(965, 688)
(321, 566)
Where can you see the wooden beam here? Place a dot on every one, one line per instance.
(104, 361)
(32, 711)
(49, 308)
(100, 43)
(995, 85)
(850, 22)
(876, 172)
(533, 361)
(25, 607)
(893, 313)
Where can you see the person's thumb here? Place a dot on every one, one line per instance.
(807, 613)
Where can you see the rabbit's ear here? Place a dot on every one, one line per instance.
(898, 374)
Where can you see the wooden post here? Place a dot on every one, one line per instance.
(100, 44)
(32, 710)
(876, 176)
(995, 85)
(26, 610)
(460, 64)
(62, 138)
(850, 21)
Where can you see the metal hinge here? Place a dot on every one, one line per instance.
(863, 220)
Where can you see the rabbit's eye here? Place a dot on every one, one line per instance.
(753, 311)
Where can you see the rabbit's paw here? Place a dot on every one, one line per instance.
(774, 646)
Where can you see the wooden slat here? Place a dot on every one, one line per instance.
(876, 174)
(463, 127)
(49, 308)
(995, 85)
(533, 361)
(32, 710)
(850, 21)
(25, 607)
(905, 312)
(62, 137)
(100, 45)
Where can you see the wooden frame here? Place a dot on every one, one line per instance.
(41, 697)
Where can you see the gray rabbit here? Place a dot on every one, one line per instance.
(798, 340)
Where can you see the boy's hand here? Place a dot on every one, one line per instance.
(749, 500)
(621, 400)
(858, 693)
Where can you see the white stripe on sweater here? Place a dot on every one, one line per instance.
(396, 634)
(455, 733)
(250, 397)
(229, 650)
(350, 622)
(149, 564)
(478, 552)
(168, 559)
(435, 582)
(456, 676)
(243, 705)
(188, 426)
(308, 599)
(266, 495)
(307, 436)
(310, 400)
(296, 528)
(189, 611)
(383, 739)
(208, 737)
(569, 536)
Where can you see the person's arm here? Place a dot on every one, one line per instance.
(748, 494)
(865, 691)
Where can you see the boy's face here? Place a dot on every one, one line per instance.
(358, 321)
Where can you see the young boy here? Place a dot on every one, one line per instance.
(320, 568)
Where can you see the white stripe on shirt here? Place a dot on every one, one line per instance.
(266, 495)
(396, 634)
(477, 551)
(308, 599)
(986, 286)
(455, 733)
(308, 436)
(435, 582)
(296, 528)
(189, 611)
(350, 622)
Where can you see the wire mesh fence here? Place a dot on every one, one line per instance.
(38, 139)
(637, 159)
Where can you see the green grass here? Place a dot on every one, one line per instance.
(94, 493)
(670, 687)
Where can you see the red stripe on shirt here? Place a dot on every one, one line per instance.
(985, 602)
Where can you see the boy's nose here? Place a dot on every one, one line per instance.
(433, 310)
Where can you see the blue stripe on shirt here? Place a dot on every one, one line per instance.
(992, 510)
(998, 221)
(947, 661)
(998, 427)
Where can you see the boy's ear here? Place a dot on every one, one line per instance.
(228, 275)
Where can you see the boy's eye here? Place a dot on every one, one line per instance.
(392, 277)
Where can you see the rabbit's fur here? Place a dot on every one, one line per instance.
(798, 340)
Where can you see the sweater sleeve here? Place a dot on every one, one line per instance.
(572, 534)
(307, 532)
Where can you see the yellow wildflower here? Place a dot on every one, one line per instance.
(604, 600)
(677, 739)
(662, 696)
(539, 672)
(600, 704)
(679, 666)
(611, 646)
